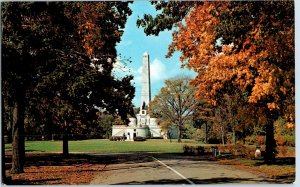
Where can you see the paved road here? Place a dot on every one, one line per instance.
(168, 169)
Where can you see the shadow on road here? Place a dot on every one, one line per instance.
(129, 161)
(280, 161)
(196, 181)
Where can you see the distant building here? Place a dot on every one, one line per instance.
(142, 125)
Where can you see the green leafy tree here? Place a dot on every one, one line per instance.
(55, 58)
(105, 123)
(101, 126)
(171, 13)
(189, 130)
(25, 43)
(175, 102)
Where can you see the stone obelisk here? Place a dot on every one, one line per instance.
(146, 90)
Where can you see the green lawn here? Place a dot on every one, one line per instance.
(107, 146)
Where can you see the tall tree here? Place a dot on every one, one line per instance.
(22, 47)
(68, 42)
(175, 102)
(98, 30)
(241, 43)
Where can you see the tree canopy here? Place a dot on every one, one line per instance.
(237, 45)
(57, 64)
(175, 103)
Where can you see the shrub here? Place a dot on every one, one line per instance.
(200, 150)
(255, 140)
(156, 138)
(199, 135)
(285, 140)
(290, 140)
(207, 149)
(117, 138)
(187, 149)
(193, 150)
(284, 151)
(238, 150)
(139, 138)
(280, 140)
(260, 140)
(250, 140)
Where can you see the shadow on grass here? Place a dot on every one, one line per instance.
(285, 161)
(55, 159)
(182, 156)
(279, 162)
(32, 151)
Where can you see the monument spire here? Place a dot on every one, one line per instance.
(143, 125)
(146, 89)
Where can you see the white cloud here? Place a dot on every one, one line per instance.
(137, 79)
(157, 70)
(139, 71)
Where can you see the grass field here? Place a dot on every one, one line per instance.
(103, 145)
(44, 161)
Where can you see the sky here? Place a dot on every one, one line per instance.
(134, 43)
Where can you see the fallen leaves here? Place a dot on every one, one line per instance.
(46, 175)
(49, 169)
(282, 173)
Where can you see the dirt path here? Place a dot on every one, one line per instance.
(173, 170)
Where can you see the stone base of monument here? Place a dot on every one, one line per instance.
(129, 140)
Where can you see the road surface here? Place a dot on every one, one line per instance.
(145, 168)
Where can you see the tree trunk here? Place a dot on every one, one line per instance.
(179, 133)
(244, 137)
(270, 143)
(222, 134)
(18, 143)
(169, 135)
(65, 146)
(233, 136)
(3, 145)
(65, 142)
(10, 124)
(205, 133)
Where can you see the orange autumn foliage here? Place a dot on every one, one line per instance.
(99, 25)
(89, 31)
(257, 61)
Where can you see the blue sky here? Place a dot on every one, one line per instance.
(134, 43)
